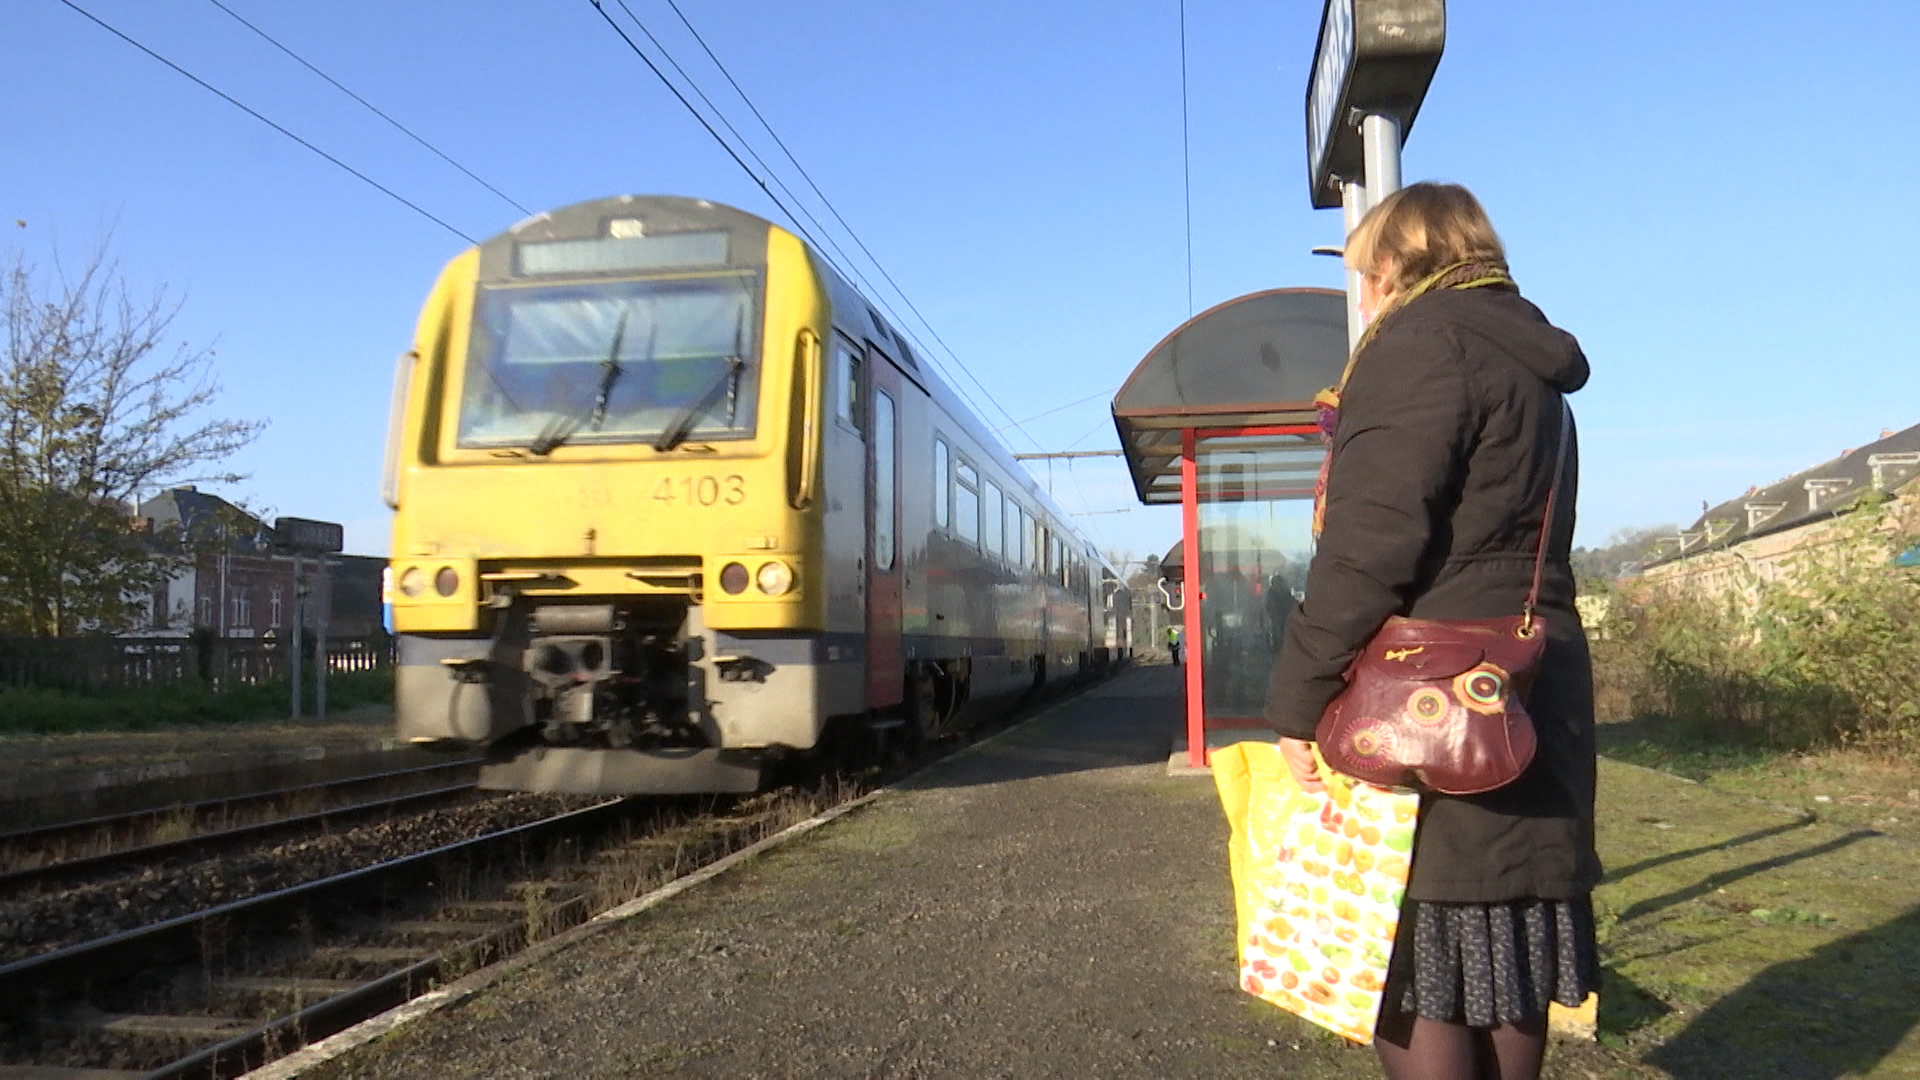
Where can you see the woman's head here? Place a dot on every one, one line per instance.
(1416, 231)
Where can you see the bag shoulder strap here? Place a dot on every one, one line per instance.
(1546, 522)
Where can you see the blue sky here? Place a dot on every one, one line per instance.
(1710, 194)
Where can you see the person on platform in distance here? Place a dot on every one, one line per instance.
(1443, 434)
(1173, 644)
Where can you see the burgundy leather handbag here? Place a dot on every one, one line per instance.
(1439, 703)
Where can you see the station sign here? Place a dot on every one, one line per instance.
(1374, 56)
(307, 535)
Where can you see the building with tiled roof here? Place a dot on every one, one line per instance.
(1762, 528)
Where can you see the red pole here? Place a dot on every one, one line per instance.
(1190, 593)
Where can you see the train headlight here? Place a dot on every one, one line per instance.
(733, 579)
(774, 578)
(447, 581)
(413, 582)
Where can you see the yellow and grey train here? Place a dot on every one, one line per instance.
(673, 501)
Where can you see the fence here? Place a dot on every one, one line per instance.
(122, 663)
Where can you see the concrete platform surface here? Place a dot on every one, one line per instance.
(1049, 904)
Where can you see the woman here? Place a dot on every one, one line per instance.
(1444, 434)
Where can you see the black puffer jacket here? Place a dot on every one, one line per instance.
(1447, 432)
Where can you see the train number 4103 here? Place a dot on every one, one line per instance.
(701, 490)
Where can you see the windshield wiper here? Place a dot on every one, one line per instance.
(564, 428)
(676, 432)
(683, 421)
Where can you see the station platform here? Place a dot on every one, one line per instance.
(1048, 903)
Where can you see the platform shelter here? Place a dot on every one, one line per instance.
(1219, 418)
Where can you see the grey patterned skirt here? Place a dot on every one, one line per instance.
(1485, 965)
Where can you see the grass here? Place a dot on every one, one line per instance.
(26, 711)
(1746, 939)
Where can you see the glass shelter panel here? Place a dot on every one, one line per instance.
(1255, 523)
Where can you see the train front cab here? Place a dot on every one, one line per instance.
(604, 606)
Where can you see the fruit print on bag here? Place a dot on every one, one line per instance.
(1321, 879)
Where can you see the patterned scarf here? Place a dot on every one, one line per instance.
(1460, 275)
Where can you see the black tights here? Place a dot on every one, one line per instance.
(1412, 1048)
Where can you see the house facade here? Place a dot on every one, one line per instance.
(240, 585)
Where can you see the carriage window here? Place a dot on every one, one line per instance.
(966, 502)
(1026, 539)
(1012, 549)
(883, 469)
(846, 385)
(942, 482)
(990, 527)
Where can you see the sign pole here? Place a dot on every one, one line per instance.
(1353, 207)
(293, 657)
(1380, 135)
(324, 598)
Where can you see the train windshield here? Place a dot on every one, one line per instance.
(612, 362)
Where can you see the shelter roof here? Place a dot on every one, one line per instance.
(1254, 361)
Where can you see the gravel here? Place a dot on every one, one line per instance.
(34, 925)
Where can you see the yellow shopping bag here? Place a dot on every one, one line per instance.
(1317, 881)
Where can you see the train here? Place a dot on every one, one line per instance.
(674, 503)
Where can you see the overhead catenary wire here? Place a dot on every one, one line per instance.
(1064, 408)
(841, 219)
(371, 107)
(762, 182)
(850, 269)
(257, 115)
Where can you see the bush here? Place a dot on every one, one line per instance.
(31, 711)
(1829, 654)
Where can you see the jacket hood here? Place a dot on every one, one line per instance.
(1509, 323)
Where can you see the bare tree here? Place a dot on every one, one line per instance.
(96, 406)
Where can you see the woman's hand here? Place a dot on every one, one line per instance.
(1298, 754)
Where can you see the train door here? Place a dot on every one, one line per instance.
(886, 671)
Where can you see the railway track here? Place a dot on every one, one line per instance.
(121, 830)
(226, 989)
(66, 871)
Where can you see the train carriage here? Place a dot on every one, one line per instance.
(672, 501)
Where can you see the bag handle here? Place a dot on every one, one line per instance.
(1546, 522)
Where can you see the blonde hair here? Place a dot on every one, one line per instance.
(1419, 230)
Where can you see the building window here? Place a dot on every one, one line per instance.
(942, 483)
(273, 606)
(206, 611)
(242, 599)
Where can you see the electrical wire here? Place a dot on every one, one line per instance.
(370, 107)
(792, 217)
(850, 269)
(236, 103)
(831, 209)
(1186, 155)
(1064, 408)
